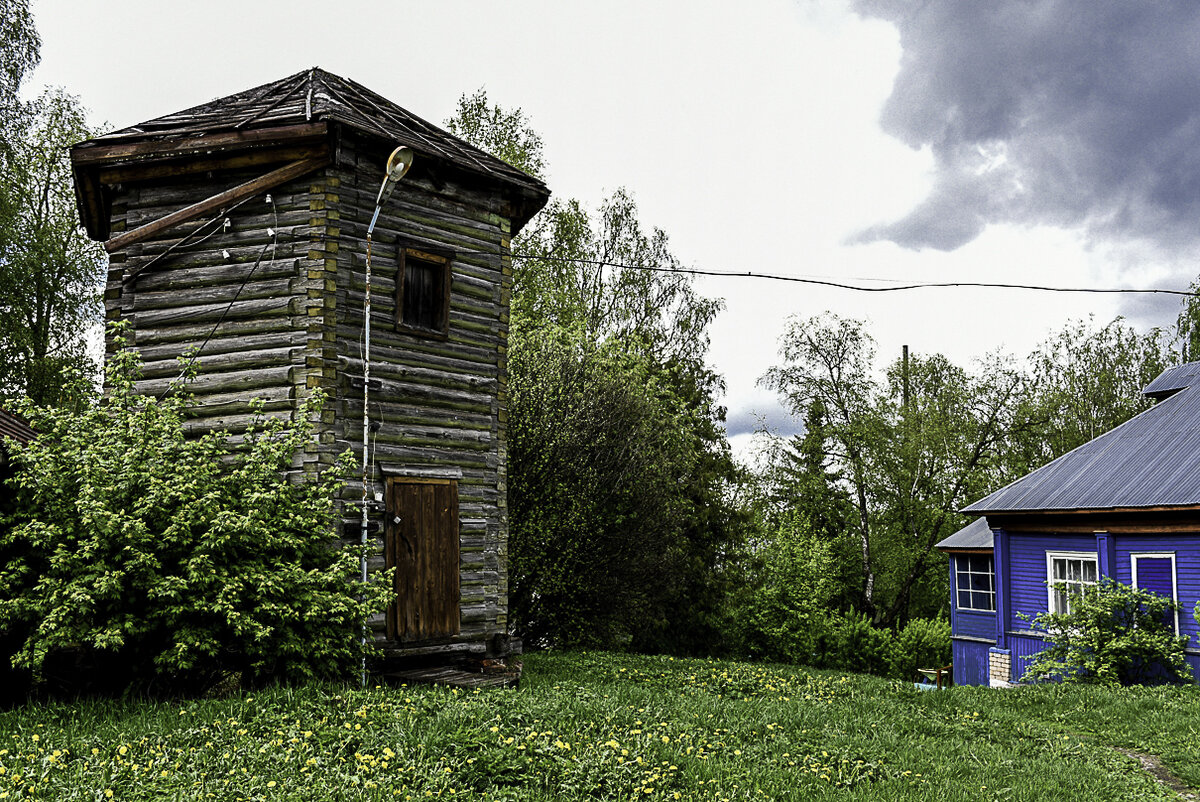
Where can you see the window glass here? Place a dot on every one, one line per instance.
(422, 295)
(1069, 575)
(423, 292)
(975, 582)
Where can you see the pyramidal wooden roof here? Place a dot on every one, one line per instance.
(1150, 461)
(297, 109)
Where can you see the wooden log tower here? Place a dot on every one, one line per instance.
(238, 227)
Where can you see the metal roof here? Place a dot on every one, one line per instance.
(975, 535)
(1151, 460)
(1172, 380)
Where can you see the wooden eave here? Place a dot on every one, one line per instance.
(99, 167)
(1116, 520)
(956, 550)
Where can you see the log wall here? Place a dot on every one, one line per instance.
(295, 324)
(440, 402)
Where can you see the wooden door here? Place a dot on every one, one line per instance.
(422, 545)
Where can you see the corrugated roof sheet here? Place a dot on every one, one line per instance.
(1151, 460)
(315, 94)
(975, 535)
(1172, 380)
(13, 426)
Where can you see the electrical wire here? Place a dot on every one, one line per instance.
(274, 232)
(835, 284)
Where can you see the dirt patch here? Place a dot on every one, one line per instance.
(1155, 768)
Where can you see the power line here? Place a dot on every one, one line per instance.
(837, 284)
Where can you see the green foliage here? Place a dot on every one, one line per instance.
(617, 457)
(902, 455)
(615, 286)
(50, 272)
(779, 606)
(855, 644)
(1085, 380)
(504, 134)
(1187, 326)
(922, 643)
(177, 558)
(1114, 635)
(612, 727)
(19, 45)
(613, 532)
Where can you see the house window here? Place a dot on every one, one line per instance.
(975, 582)
(1068, 573)
(423, 291)
(1156, 573)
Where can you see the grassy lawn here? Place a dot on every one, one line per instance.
(611, 727)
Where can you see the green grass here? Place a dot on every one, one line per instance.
(604, 726)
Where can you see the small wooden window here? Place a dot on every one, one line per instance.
(423, 292)
(422, 545)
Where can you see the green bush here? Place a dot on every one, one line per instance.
(922, 643)
(780, 611)
(176, 559)
(1113, 635)
(855, 644)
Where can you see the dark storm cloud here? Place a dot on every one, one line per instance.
(1070, 113)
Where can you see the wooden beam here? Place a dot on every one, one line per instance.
(246, 190)
(185, 165)
(134, 151)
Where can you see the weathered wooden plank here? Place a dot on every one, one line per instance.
(432, 377)
(226, 344)
(278, 397)
(170, 333)
(211, 294)
(233, 195)
(206, 143)
(174, 168)
(237, 381)
(179, 277)
(209, 362)
(259, 307)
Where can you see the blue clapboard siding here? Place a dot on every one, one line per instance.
(1024, 647)
(1186, 549)
(1027, 584)
(1027, 571)
(970, 662)
(973, 624)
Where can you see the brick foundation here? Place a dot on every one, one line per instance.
(999, 668)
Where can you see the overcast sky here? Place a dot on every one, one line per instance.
(1040, 141)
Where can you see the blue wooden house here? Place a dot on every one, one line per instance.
(1125, 505)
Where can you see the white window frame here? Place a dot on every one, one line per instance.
(1051, 582)
(1159, 555)
(971, 592)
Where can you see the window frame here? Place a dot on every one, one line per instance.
(1052, 583)
(970, 590)
(441, 259)
(1158, 555)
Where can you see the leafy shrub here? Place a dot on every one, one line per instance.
(857, 645)
(1113, 635)
(922, 643)
(176, 558)
(780, 611)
